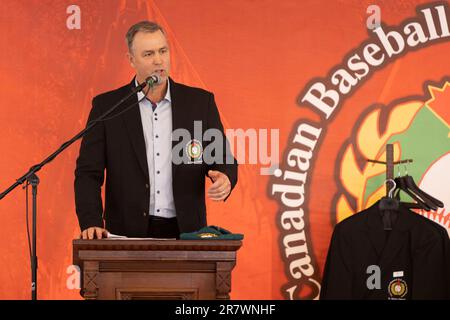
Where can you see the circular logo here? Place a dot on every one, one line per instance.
(397, 288)
(194, 149)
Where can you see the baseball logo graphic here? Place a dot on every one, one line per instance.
(194, 150)
(397, 288)
(419, 130)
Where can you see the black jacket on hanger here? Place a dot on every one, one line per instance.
(414, 258)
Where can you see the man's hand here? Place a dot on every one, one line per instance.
(94, 233)
(221, 186)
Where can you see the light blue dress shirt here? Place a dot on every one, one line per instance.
(157, 127)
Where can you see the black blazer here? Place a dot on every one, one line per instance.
(416, 246)
(118, 146)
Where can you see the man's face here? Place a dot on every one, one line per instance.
(150, 55)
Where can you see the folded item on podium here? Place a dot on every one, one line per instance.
(112, 236)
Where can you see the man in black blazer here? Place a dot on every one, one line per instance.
(148, 193)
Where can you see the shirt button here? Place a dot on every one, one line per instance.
(157, 172)
(156, 114)
(156, 119)
(146, 185)
(157, 210)
(157, 136)
(157, 154)
(145, 214)
(157, 192)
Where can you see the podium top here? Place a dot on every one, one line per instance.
(156, 245)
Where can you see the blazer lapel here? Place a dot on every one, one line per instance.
(177, 115)
(386, 245)
(133, 123)
(375, 230)
(397, 239)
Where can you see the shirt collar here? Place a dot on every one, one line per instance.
(167, 97)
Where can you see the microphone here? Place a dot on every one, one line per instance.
(153, 80)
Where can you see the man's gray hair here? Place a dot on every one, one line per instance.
(144, 26)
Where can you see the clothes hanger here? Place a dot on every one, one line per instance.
(423, 199)
(387, 205)
(419, 202)
(414, 188)
(428, 198)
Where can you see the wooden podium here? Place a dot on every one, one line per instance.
(135, 269)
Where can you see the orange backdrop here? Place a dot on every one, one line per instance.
(256, 56)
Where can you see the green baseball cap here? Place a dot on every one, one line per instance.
(211, 233)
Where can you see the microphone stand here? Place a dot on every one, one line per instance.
(31, 178)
